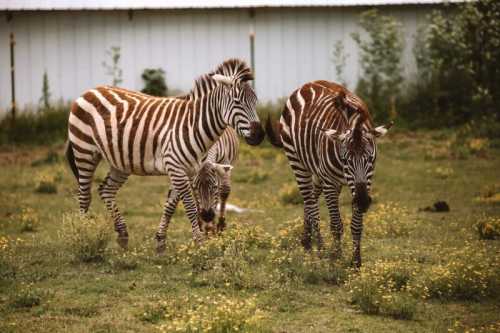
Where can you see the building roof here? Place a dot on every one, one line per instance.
(190, 4)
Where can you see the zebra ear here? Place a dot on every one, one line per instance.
(336, 135)
(381, 130)
(225, 80)
(223, 169)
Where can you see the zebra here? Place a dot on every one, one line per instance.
(329, 139)
(138, 134)
(212, 184)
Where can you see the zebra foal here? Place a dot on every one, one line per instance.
(138, 134)
(212, 184)
(329, 140)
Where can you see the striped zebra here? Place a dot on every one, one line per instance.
(138, 134)
(329, 139)
(212, 184)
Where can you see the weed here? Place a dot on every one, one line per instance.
(153, 314)
(52, 157)
(252, 177)
(289, 194)
(87, 237)
(28, 220)
(489, 228)
(26, 298)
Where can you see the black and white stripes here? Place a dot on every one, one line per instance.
(329, 139)
(145, 135)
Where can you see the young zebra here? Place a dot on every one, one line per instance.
(329, 139)
(144, 135)
(213, 181)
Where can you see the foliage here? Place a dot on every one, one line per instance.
(86, 237)
(212, 315)
(458, 59)
(29, 220)
(489, 228)
(47, 126)
(380, 60)
(290, 194)
(45, 99)
(154, 82)
(114, 69)
(339, 59)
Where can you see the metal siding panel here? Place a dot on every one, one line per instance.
(22, 59)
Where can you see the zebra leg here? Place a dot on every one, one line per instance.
(356, 231)
(168, 211)
(317, 190)
(86, 165)
(224, 191)
(182, 185)
(107, 191)
(311, 209)
(336, 227)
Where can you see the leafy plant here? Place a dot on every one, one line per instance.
(45, 99)
(114, 69)
(380, 60)
(339, 59)
(154, 82)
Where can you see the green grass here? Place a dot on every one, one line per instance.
(422, 271)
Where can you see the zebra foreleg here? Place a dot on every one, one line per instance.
(224, 191)
(356, 231)
(107, 191)
(182, 185)
(168, 211)
(336, 227)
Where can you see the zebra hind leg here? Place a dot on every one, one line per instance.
(85, 163)
(107, 191)
(168, 211)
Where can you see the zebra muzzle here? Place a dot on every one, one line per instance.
(362, 199)
(257, 134)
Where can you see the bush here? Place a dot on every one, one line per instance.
(44, 127)
(290, 194)
(26, 298)
(380, 288)
(154, 82)
(380, 61)
(46, 183)
(458, 59)
(29, 220)
(212, 315)
(87, 237)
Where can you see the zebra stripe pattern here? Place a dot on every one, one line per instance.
(329, 139)
(144, 135)
(212, 184)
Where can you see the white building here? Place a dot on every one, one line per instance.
(293, 42)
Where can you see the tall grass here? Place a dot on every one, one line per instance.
(35, 127)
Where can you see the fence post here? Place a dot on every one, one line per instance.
(12, 76)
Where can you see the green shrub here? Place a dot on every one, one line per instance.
(44, 127)
(380, 60)
(213, 315)
(52, 157)
(26, 298)
(154, 82)
(46, 187)
(29, 220)
(86, 237)
(289, 194)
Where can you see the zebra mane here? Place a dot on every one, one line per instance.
(235, 68)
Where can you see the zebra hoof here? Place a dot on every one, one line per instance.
(123, 242)
(160, 249)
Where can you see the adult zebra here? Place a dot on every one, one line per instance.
(145, 135)
(329, 139)
(212, 184)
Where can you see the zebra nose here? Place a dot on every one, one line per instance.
(207, 215)
(256, 134)
(361, 197)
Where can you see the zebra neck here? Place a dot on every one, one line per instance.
(209, 122)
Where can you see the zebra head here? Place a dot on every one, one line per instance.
(357, 152)
(239, 103)
(206, 191)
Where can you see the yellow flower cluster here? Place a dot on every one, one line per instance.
(211, 314)
(388, 220)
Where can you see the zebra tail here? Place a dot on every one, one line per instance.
(273, 132)
(70, 156)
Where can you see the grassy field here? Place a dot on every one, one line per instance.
(422, 271)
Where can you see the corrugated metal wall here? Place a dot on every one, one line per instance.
(292, 46)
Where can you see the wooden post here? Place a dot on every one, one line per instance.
(12, 76)
(252, 42)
